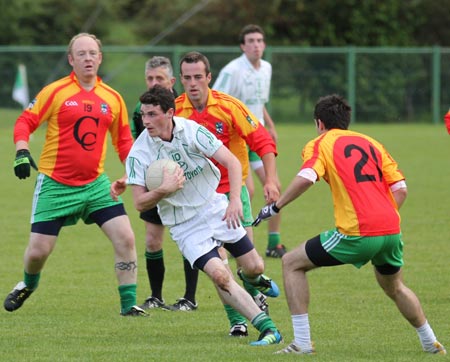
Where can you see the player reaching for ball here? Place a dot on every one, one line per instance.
(368, 189)
(200, 220)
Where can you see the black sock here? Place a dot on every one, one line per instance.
(155, 272)
(191, 277)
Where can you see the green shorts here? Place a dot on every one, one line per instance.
(359, 250)
(246, 207)
(53, 200)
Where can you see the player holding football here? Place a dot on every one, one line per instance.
(248, 78)
(79, 111)
(200, 219)
(159, 70)
(368, 189)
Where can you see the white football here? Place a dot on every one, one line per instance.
(154, 175)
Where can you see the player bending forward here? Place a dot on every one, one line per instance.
(200, 220)
(368, 189)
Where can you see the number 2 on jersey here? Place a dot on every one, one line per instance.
(363, 161)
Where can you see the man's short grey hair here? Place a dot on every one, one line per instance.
(158, 61)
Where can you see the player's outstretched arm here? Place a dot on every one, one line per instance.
(297, 187)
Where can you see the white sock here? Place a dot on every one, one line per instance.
(302, 334)
(426, 335)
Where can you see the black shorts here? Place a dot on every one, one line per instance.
(151, 216)
(100, 216)
(241, 247)
(318, 255)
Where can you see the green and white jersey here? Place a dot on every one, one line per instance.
(190, 147)
(252, 86)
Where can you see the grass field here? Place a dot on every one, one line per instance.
(74, 315)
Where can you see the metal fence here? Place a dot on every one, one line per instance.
(383, 84)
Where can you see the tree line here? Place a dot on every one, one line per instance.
(217, 22)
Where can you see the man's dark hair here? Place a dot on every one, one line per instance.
(195, 57)
(334, 111)
(159, 96)
(248, 29)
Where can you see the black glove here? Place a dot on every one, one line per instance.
(266, 213)
(22, 164)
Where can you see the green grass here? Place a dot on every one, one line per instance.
(74, 315)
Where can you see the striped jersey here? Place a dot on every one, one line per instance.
(232, 123)
(359, 171)
(78, 122)
(240, 79)
(190, 147)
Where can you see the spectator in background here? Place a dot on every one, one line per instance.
(248, 79)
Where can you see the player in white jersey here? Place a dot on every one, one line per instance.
(199, 219)
(182, 205)
(251, 85)
(248, 79)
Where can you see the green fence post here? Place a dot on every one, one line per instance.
(436, 91)
(351, 63)
(268, 53)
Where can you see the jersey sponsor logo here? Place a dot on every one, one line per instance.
(184, 166)
(85, 132)
(71, 103)
(177, 158)
(191, 174)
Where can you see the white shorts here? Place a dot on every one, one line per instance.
(202, 233)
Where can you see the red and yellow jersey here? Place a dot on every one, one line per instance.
(359, 171)
(78, 122)
(231, 121)
(447, 121)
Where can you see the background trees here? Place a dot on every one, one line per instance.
(217, 22)
(390, 87)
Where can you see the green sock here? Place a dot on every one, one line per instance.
(263, 322)
(31, 280)
(247, 280)
(127, 294)
(154, 255)
(273, 240)
(234, 316)
(251, 289)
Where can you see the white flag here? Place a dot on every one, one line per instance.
(20, 91)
